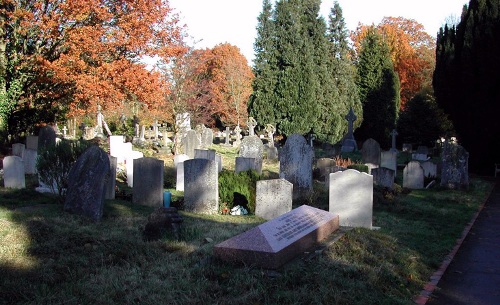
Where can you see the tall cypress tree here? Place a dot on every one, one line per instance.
(378, 86)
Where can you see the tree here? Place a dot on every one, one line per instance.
(466, 80)
(378, 87)
(412, 52)
(72, 55)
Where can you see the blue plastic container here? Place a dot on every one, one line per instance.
(167, 196)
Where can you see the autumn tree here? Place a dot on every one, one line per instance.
(72, 55)
(378, 88)
(411, 49)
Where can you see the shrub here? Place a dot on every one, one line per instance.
(238, 189)
(55, 161)
(359, 167)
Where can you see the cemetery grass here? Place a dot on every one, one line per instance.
(51, 257)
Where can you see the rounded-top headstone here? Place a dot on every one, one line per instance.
(371, 152)
(46, 137)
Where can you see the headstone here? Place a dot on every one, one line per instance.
(237, 135)
(393, 134)
(351, 197)
(18, 149)
(191, 142)
(413, 175)
(32, 142)
(455, 167)
(251, 126)
(430, 169)
(227, 135)
(349, 143)
(273, 243)
(86, 184)
(111, 181)
(129, 165)
(273, 198)
(270, 130)
(46, 137)
(296, 165)
(179, 169)
(180, 158)
(243, 164)
(29, 158)
(371, 152)
(207, 138)
(384, 177)
(252, 147)
(142, 136)
(116, 144)
(155, 129)
(201, 186)
(13, 172)
(419, 157)
(324, 166)
(389, 159)
(371, 166)
(209, 154)
(148, 182)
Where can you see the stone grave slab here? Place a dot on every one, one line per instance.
(389, 159)
(413, 175)
(252, 147)
(296, 164)
(29, 158)
(273, 198)
(273, 243)
(111, 181)
(18, 149)
(201, 186)
(243, 164)
(148, 182)
(13, 172)
(129, 164)
(370, 152)
(455, 167)
(430, 169)
(384, 177)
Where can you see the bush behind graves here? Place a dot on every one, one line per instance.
(238, 189)
(359, 167)
(54, 163)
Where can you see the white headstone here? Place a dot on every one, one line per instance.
(351, 197)
(273, 198)
(13, 172)
(180, 158)
(129, 163)
(413, 175)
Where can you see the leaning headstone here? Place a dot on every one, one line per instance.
(111, 182)
(201, 186)
(148, 182)
(191, 142)
(46, 137)
(383, 177)
(13, 172)
(252, 147)
(370, 152)
(18, 149)
(296, 165)
(273, 243)
(29, 158)
(455, 167)
(389, 159)
(273, 198)
(413, 175)
(430, 169)
(243, 164)
(32, 142)
(351, 197)
(86, 184)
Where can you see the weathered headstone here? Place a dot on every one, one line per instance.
(243, 164)
(191, 142)
(18, 149)
(227, 135)
(208, 154)
(273, 198)
(29, 158)
(13, 172)
(251, 126)
(252, 147)
(273, 243)
(393, 134)
(46, 137)
(86, 184)
(430, 169)
(237, 135)
(349, 143)
(148, 182)
(384, 177)
(201, 187)
(413, 175)
(351, 197)
(370, 152)
(389, 159)
(455, 167)
(296, 165)
(207, 138)
(111, 181)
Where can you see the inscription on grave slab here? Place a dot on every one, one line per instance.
(277, 241)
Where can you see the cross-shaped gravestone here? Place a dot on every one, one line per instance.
(251, 126)
(350, 117)
(270, 129)
(65, 129)
(393, 134)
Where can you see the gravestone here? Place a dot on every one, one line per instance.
(179, 170)
(351, 197)
(129, 164)
(430, 169)
(180, 158)
(273, 243)
(46, 137)
(237, 135)
(455, 167)
(13, 172)
(208, 154)
(384, 177)
(32, 142)
(191, 142)
(86, 184)
(116, 147)
(201, 186)
(111, 181)
(349, 143)
(252, 147)
(273, 198)
(393, 134)
(419, 157)
(227, 135)
(243, 164)
(389, 159)
(296, 165)
(148, 182)
(18, 149)
(29, 158)
(325, 166)
(207, 138)
(370, 152)
(251, 126)
(413, 175)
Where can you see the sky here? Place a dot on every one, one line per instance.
(212, 22)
